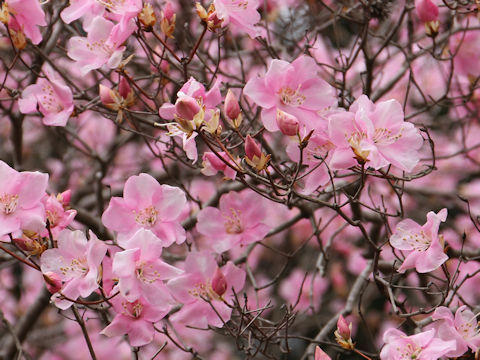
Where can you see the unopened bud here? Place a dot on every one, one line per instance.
(53, 282)
(31, 243)
(252, 149)
(108, 97)
(343, 334)
(219, 282)
(65, 197)
(124, 88)
(287, 123)
(426, 10)
(187, 107)
(232, 108)
(147, 16)
(167, 24)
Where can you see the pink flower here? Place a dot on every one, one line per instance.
(53, 98)
(239, 220)
(58, 214)
(376, 135)
(422, 242)
(140, 271)
(422, 346)
(20, 200)
(79, 8)
(77, 262)
(294, 88)
(212, 164)
(287, 123)
(147, 204)
(427, 10)
(462, 328)
(241, 15)
(98, 48)
(134, 318)
(194, 289)
(29, 15)
(232, 107)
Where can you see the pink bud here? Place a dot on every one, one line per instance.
(24, 243)
(168, 12)
(124, 88)
(186, 107)
(343, 328)
(252, 148)
(219, 282)
(52, 281)
(213, 20)
(65, 197)
(232, 108)
(287, 123)
(107, 96)
(321, 355)
(426, 10)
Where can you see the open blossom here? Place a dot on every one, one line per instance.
(213, 164)
(147, 204)
(135, 319)
(375, 135)
(76, 261)
(99, 48)
(422, 346)
(201, 283)
(294, 88)
(58, 214)
(241, 14)
(140, 271)
(424, 245)
(462, 328)
(20, 200)
(29, 15)
(51, 96)
(239, 220)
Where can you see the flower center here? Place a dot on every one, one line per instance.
(356, 141)
(8, 203)
(384, 136)
(132, 309)
(291, 97)
(410, 352)
(146, 217)
(147, 273)
(78, 267)
(233, 223)
(204, 290)
(419, 241)
(49, 100)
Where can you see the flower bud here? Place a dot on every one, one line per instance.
(108, 97)
(426, 10)
(53, 282)
(343, 329)
(167, 24)
(219, 282)
(65, 197)
(287, 123)
(321, 355)
(168, 13)
(124, 88)
(252, 149)
(232, 108)
(186, 107)
(147, 16)
(31, 243)
(213, 22)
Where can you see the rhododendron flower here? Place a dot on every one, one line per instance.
(239, 220)
(147, 204)
(98, 48)
(134, 318)
(53, 98)
(57, 212)
(29, 15)
(462, 328)
(293, 88)
(194, 289)
(77, 262)
(422, 346)
(241, 14)
(140, 271)
(20, 200)
(375, 135)
(424, 244)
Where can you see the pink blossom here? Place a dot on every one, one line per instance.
(291, 87)
(134, 318)
(239, 220)
(422, 242)
(51, 96)
(240, 14)
(140, 271)
(427, 10)
(422, 346)
(374, 134)
(99, 48)
(213, 164)
(77, 262)
(462, 328)
(29, 15)
(194, 289)
(147, 204)
(232, 107)
(57, 212)
(20, 200)
(82, 8)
